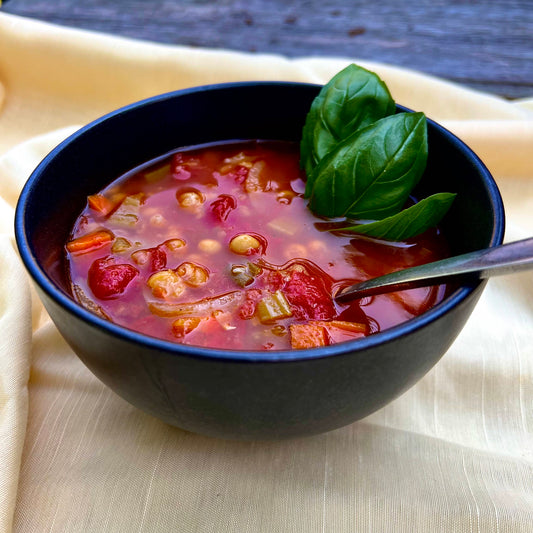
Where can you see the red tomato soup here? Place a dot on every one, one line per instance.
(215, 246)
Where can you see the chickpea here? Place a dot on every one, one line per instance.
(193, 274)
(174, 244)
(140, 257)
(166, 284)
(317, 247)
(190, 198)
(184, 325)
(157, 220)
(295, 250)
(244, 244)
(209, 246)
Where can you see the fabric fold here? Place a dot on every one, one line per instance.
(15, 348)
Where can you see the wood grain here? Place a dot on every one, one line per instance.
(484, 44)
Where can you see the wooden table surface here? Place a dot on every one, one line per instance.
(484, 44)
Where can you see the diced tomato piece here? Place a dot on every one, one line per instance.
(177, 167)
(158, 258)
(107, 279)
(223, 206)
(273, 281)
(239, 174)
(247, 309)
(309, 297)
(100, 204)
(91, 241)
(310, 335)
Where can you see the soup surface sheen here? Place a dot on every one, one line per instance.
(215, 246)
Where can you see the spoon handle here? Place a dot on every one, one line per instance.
(504, 259)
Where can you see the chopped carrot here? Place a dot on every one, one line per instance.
(90, 242)
(101, 204)
(340, 330)
(322, 333)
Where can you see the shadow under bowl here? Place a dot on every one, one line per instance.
(238, 394)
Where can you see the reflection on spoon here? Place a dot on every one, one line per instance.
(503, 259)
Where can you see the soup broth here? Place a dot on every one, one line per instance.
(215, 246)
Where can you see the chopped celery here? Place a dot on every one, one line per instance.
(244, 275)
(284, 225)
(128, 211)
(273, 307)
(120, 245)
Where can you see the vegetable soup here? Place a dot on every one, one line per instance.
(215, 246)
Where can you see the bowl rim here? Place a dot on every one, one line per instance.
(49, 287)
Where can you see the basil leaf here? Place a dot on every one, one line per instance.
(371, 174)
(352, 99)
(410, 222)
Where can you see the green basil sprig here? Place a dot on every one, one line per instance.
(362, 161)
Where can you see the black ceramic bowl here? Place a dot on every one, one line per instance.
(238, 394)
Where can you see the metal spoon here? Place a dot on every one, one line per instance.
(503, 259)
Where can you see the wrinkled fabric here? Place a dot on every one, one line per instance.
(454, 453)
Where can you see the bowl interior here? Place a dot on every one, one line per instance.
(112, 145)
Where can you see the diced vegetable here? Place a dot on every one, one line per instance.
(157, 175)
(236, 162)
(90, 242)
(273, 307)
(244, 275)
(321, 333)
(107, 279)
(100, 204)
(127, 213)
(120, 245)
(310, 335)
(253, 183)
(223, 206)
(309, 297)
(341, 330)
(155, 258)
(279, 330)
(284, 225)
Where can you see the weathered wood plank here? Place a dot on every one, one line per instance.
(486, 44)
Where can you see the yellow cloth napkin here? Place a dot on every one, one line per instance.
(454, 453)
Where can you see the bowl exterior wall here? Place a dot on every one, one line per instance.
(261, 400)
